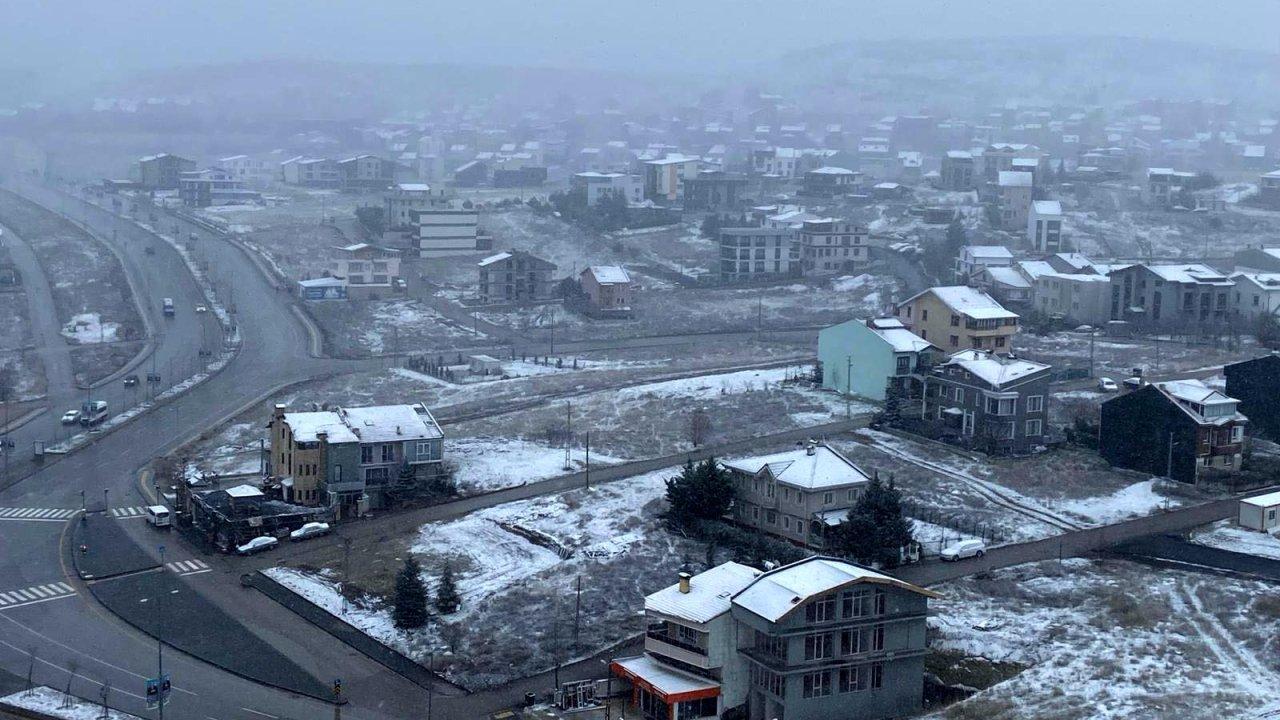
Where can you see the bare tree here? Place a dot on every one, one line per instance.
(699, 427)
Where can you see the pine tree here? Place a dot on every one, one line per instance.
(447, 598)
(875, 529)
(409, 603)
(702, 491)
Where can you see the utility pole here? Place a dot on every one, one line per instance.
(577, 615)
(159, 638)
(587, 466)
(568, 435)
(1092, 334)
(848, 386)
(431, 663)
(1168, 465)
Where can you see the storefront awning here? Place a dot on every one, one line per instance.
(668, 683)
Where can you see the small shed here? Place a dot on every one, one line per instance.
(1260, 512)
(485, 365)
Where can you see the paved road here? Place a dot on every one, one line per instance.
(1173, 551)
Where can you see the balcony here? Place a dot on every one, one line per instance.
(663, 645)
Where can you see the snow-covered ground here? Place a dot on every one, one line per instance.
(1111, 640)
(1226, 535)
(489, 463)
(1136, 500)
(392, 322)
(88, 328)
(54, 703)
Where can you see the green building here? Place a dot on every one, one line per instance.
(860, 356)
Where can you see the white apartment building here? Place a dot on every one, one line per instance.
(1044, 226)
(446, 231)
(1013, 199)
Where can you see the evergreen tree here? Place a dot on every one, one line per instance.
(447, 598)
(409, 602)
(711, 226)
(875, 529)
(702, 491)
(894, 399)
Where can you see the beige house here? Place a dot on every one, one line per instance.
(959, 318)
(369, 271)
(796, 495)
(608, 289)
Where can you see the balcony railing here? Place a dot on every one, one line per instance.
(665, 638)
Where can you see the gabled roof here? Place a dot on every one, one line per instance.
(708, 597)
(776, 593)
(826, 467)
(995, 370)
(966, 301)
(1007, 276)
(609, 274)
(1184, 393)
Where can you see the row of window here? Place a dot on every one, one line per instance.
(862, 602)
(853, 641)
(850, 679)
(994, 406)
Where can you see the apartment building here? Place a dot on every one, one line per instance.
(446, 231)
(758, 253)
(796, 495)
(957, 317)
(162, 171)
(830, 182)
(1044, 226)
(1269, 189)
(829, 246)
(1256, 294)
(369, 271)
(973, 258)
(994, 403)
(1083, 298)
(213, 186)
(310, 172)
(860, 357)
(351, 459)
(598, 184)
(999, 157)
(1181, 429)
(1163, 295)
(957, 171)
(404, 198)
(1013, 199)
(365, 172)
(249, 170)
(1164, 184)
(514, 276)
(819, 639)
(664, 179)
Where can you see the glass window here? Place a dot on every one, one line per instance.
(817, 646)
(366, 453)
(821, 610)
(1035, 403)
(817, 684)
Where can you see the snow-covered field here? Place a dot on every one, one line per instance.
(1226, 535)
(53, 703)
(1112, 640)
(489, 463)
(87, 328)
(1136, 500)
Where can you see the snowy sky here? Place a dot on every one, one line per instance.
(95, 36)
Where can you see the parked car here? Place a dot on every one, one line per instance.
(150, 250)
(201, 309)
(153, 377)
(310, 530)
(1133, 383)
(159, 516)
(130, 380)
(71, 417)
(257, 545)
(1106, 384)
(963, 549)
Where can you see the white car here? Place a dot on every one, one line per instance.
(963, 549)
(71, 417)
(258, 544)
(1106, 384)
(201, 309)
(310, 530)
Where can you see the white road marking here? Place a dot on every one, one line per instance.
(36, 514)
(258, 712)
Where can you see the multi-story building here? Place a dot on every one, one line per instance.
(973, 258)
(956, 317)
(213, 186)
(757, 253)
(369, 271)
(598, 184)
(862, 357)
(1179, 429)
(249, 170)
(713, 190)
(796, 494)
(777, 161)
(1164, 184)
(514, 276)
(994, 403)
(366, 172)
(999, 157)
(608, 289)
(352, 459)
(957, 170)
(1013, 199)
(1083, 298)
(310, 172)
(830, 182)
(1256, 383)
(1044, 226)
(447, 231)
(829, 246)
(1256, 294)
(1163, 295)
(1269, 189)
(1007, 285)
(1258, 259)
(163, 171)
(664, 179)
(404, 198)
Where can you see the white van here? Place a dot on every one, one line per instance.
(159, 516)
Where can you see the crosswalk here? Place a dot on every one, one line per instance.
(35, 594)
(128, 513)
(36, 514)
(189, 567)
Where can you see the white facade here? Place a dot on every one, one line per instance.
(446, 231)
(248, 170)
(1014, 200)
(1256, 294)
(1044, 226)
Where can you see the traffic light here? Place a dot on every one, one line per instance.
(337, 687)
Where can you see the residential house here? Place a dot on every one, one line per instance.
(1007, 285)
(1181, 429)
(1164, 185)
(973, 258)
(404, 198)
(310, 172)
(755, 253)
(890, 191)
(447, 231)
(230, 517)
(249, 170)
(830, 182)
(664, 179)
(863, 357)
(1013, 199)
(598, 184)
(999, 157)
(1258, 259)
(957, 171)
(471, 174)
(994, 403)
(514, 276)
(213, 186)
(795, 495)
(1082, 298)
(1044, 226)
(162, 172)
(1170, 295)
(781, 162)
(691, 667)
(1256, 294)
(1269, 189)
(825, 639)
(608, 289)
(956, 317)
(365, 172)
(714, 190)
(1256, 383)
(353, 459)
(829, 246)
(369, 272)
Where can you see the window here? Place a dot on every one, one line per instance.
(377, 475)
(1000, 341)
(423, 449)
(877, 638)
(828, 498)
(765, 680)
(366, 453)
(771, 645)
(855, 603)
(924, 315)
(1033, 428)
(786, 522)
(817, 646)
(771, 517)
(959, 396)
(768, 490)
(1035, 403)
(817, 684)
(854, 679)
(1237, 433)
(954, 341)
(879, 602)
(853, 641)
(877, 676)
(821, 610)
(755, 512)
(955, 321)
(852, 494)
(388, 452)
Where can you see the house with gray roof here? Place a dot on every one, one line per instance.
(994, 403)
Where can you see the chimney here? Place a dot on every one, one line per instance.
(684, 583)
(810, 449)
(279, 411)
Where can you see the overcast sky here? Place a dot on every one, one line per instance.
(95, 35)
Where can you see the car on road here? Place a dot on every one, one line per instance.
(1106, 384)
(130, 380)
(150, 250)
(310, 530)
(963, 549)
(71, 417)
(153, 377)
(257, 545)
(201, 309)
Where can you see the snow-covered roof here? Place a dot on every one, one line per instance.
(1035, 268)
(1268, 281)
(666, 680)
(1076, 260)
(994, 369)
(413, 187)
(1268, 500)
(1008, 276)
(967, 301)
(244, 491)
(1047, 207)
(959, 154)
(307, 426)
(1013, 178)
(708, 597)
(494, 258)
(322, 282)
(887, 186)
(776, 593)
(1193, 273)
(391, 423)
(830, 170)
(822, 468)
(987, 251)
(609, 274)
(893, 332)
